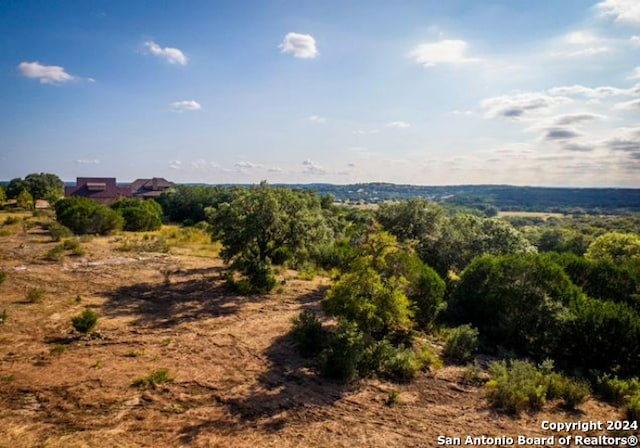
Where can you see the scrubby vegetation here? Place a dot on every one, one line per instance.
(154, 379)
(85, 321)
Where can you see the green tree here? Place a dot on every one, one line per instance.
(464, 237)
(3, 196)
(187, 204)
(84, 216)
(15, 187)
(263, 223)
(415, 219)
(24, 200)
(138, 214)
(44, 186)
(615, 247)
(518, 301)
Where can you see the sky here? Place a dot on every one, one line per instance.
(421, 92)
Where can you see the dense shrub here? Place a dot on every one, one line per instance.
(139, 215)
(57, 231)
(83, 215)
(518, 301)
(521, 386)
(615, 389)
(85, 321)
(462, 343)
(308, 333)
(155, 378)
(346, 349)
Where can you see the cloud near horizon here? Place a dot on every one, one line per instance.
(442, 52)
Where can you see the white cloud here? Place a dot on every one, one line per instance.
(175, 164)
(310, 167)
(442, 52)
(462, 112)
(596, 92)
(299, 45)
(186, 105)
(576, 118)
(171, 55)
(560, 133)
(635, 40)
(635, 74)
(47, 74)
(398, 125)
(581, 38)
(628, 105)
(515, 106)
(317, 119)
(246, 164)
(366, 131)
(274, 169)
(622, 11)
(87, 162)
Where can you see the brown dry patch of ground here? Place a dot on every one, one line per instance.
(237, 380)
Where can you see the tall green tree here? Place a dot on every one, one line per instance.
(44, 186)
(15, 187)
(615, 247)
(262, 224)
(24, 200)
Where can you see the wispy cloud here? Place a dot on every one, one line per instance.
(171, 55)
(398, 124)
(442, 52)
(317, 119)
(246, 164)
(87, 161)
(186, 105)
(628, 105)
(310, 167)
(621, 11)
(301, 46)
(592, 92)
(175, 164)
(568, 119)
(47, 74)
(635, 74)
(515, 106)
(635, 40)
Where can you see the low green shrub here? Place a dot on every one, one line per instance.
(35, 295)
(461, 344)
(85, 321)
(57, 231)
(156, 377)
(56, 253)
(615, 389)
(308, 333)
(346, 349)
(3, 316)
(58, 349)
(522, 386)
(632, 408)
(3, 277)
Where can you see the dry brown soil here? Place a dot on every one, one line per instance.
(237, 380)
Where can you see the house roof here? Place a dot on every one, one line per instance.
(100, 188)
(139, 186)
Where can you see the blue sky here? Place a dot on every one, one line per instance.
(421, 92)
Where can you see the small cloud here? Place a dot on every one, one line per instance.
(274, 169)
(569, 119)
(559, 133)
(47, 74)
(186, 105)
(622, 11)
(351, 165)
(87, 162)
(398, 124)
(591, 92)
(317, 119)
(515, 106)
(366, 131)
(175, 164)
(171, 55)
(301, 46)
(578, 147)
(462, 112)
(581, 38)
(245, 164)
(442, 52)
(310, 167)
(635, 40)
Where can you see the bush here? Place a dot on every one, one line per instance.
(85, 321)
(156, 377)
(462, 343)
(403, 365)
(308, 333)
(346, 349)
(35, 295)
(617, 390)
(139, 215)
(632, 409)
(57, 231)
(56, 253)
(522, 386)
(82, 216)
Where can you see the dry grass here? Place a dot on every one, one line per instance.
(541, 215)
(237, 380)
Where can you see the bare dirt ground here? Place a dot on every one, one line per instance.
(237, 380)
